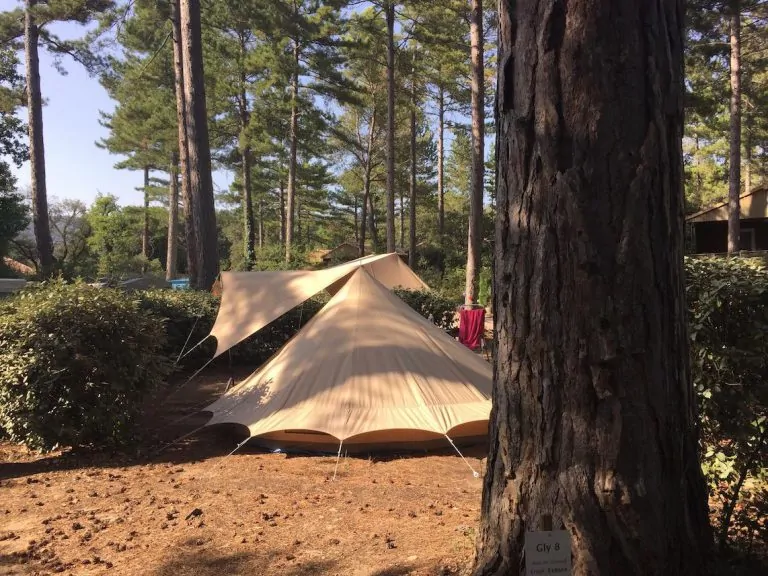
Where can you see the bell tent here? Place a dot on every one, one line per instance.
(366, 372)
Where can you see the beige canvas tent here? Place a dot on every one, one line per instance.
(367, 371)
(251, 300)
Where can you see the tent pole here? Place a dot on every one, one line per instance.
(187, 341)
(338, 456)
(475, 474)
(231, 380)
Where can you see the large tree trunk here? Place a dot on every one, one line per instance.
(390, 16)
(173, 218)
(190, 238)
(294, 137)
(412, 190)
(199, 166)
(40, 223)
(593, 419)
(440, 163)
(734, 171)
(478, 154)
(145, 228)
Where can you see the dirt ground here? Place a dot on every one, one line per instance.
(193, 510)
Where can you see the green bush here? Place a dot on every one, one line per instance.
(431, 305)
(75, 365)
(728, 326)
(188, 314)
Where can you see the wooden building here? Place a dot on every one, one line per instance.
(707, 230)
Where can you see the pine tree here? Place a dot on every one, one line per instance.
(32, 24)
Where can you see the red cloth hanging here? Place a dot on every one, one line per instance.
(471, 327)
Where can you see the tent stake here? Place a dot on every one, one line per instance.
(475, 474)
(238, 447)
(338, 456)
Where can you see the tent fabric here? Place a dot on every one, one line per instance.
(366, 364)
(251, 300)
(471, 327)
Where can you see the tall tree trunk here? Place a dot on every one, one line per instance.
(440, 164)
(36, 145)
(748, 154)
(190, 238)
(412, 200)
(199, 165)
(734, 171)
(281, 196)
(593, 420)
(478, 156)
(248, 224)
(372, 225)
(357, 220)
(363, 224)
(294, 137)
(390, 13)
(173, 218)
(261, 224)
(402, 220)
(145, 227)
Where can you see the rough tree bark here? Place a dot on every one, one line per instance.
(199, 162)
(593, 419)
(294, 137)
(173, 218)
(390, 16)
(478, 154)
(190, 238)
(440, 164)
(412, 183)
(40, 224)
(734, 169)
(145, 226)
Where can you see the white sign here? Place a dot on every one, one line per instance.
(548, 553)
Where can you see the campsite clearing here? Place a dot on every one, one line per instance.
(193, 510)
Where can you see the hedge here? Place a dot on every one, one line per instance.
(75, 364)
(728, 327)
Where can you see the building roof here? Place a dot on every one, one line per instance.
(753, 205)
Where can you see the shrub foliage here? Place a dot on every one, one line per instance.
(75, 364)
(728, 325)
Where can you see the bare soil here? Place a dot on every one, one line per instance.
(194, 510)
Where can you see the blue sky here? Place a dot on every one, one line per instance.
(75, 166)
